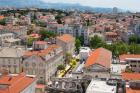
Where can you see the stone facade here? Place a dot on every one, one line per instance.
(11, 59)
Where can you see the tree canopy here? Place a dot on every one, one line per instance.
(134, 39)
(46, 34)
(77, 44)
(96, 42)
(3, 22)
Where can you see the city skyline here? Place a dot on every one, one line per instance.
(132, 5)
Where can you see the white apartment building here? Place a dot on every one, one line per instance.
(75, 30)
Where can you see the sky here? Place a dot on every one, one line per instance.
(133, 5)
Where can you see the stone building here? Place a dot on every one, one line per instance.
(11, 59)
(67, 42)
(98, 64)
(43, 60)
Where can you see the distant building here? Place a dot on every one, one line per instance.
(19, 83)
(115, 10)
(18, 31)
(111, 36)
(98, 64)
(133, 60)
(75, 30)
(137, 29)
(8, 39)
(67, 42)
(97, 86)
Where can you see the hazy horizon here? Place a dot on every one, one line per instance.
(133, 5)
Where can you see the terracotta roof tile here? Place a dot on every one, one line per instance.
(101, 56)
(129, 90)
(125, 56)
(131, 76)
(16, 84)
(111, 34)
(66, 38)
(1, 17)
(42, 52)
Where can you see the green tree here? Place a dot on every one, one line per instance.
(133, 39)
(61, 67)
(73, 62)
(41, 23)
(96, 42)
(68, 58)
(77, 45)
(30, 41)
(81, 38)
(46, 34)
(3, 22)
(134, 48)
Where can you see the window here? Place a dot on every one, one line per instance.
(33, 64)
(26, 64)
(133, 65)
(41, 64)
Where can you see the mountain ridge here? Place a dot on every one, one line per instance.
(42, 4)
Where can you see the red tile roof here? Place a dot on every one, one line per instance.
(101, 56)
(34, 35)
(66, 38)
(16, 84)
(131, 76)
(42, 52)
(125, 56)
(129, 90)
(111, 34)
(1, 17)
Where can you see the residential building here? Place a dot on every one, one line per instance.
(18, 31)
(67, 42)
(111, 36)
(43, 60)
(35, 65)
(98, 64)
(11, 59)
(19, 83)
(132, 82)
(137, 29)
(133, 60)
(84, 53)
(8, 39)
(75, 30)
(115, 10)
